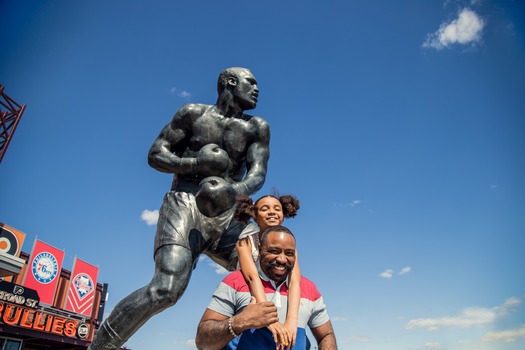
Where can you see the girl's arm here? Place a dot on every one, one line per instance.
(294, 299)
(249, 270)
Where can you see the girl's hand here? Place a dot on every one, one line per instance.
(280, 335)
(291, 327)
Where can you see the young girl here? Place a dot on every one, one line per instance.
(268, 211)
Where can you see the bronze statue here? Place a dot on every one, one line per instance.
(215, 152)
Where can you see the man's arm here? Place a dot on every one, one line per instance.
(325, 336)
(214, 333)
(256, 159)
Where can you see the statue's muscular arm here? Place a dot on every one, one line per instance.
(257, 157)
(174, 137)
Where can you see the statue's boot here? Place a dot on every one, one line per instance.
(106, 339)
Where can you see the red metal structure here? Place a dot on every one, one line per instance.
(9, 119)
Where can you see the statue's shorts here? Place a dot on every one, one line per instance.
(181, 223)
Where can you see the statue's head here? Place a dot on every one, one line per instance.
(240, 86)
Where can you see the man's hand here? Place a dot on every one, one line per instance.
(212, 161)
(213, 332)
(256, 315)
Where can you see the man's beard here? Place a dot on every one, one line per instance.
(280, 278)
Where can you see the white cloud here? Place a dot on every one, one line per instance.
(352, 204)
(512, 302)
(219, 270)
(434, 345)
(510, 305)
(405, 270)
(469, 317)
(150, 217)
(508, 336)
(180, 93)
(466, 29)
(190, 343)
(338, 318)
(184, 94)
(387, 273)
(356, 339)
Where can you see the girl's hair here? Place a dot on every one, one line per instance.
(246, 208)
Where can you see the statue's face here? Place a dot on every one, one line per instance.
(245, 91)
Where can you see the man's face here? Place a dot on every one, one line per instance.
(245, 91)
(277, 256)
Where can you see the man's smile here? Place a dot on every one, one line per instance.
(279, 269)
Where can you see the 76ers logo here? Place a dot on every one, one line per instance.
(44, 267)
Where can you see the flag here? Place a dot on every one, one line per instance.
(82, 286)
(43, 271)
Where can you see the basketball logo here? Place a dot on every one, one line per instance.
(44, 267)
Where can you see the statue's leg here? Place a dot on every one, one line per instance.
(173, 266)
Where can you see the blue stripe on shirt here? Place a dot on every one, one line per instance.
(262, 339)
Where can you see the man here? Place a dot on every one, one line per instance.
(233, 312)
(215, 152)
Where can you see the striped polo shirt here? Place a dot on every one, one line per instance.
(233, 295)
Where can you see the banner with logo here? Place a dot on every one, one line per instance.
(43, 270)
(11, 240)
(81, 291)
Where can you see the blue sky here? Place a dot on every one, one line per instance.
(399, 125)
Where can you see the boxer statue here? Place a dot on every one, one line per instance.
(215, 152)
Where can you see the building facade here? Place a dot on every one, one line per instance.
(28, 324)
